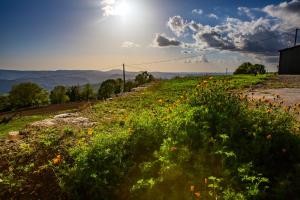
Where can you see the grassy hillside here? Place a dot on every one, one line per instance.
(185, 138)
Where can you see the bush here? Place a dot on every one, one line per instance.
(248, 68)
(129, 85)
(27, 95)
(143, 78)
(217, 138)
(58, 95)
(99, 168)
(88, 92)
(209, 144)
(73, 93)
(4, 103)
(107, 89)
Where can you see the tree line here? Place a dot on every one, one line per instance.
(29, 94)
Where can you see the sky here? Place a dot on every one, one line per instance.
(152, 35)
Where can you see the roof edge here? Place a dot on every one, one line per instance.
(297, 46)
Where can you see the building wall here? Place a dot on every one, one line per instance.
(290, 61)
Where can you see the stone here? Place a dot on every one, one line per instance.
(14, 136)
(44, 123)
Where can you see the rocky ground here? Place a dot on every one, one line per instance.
(283, 90)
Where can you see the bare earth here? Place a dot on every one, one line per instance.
(286, 87)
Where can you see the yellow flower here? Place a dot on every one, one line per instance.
(90, 131)
(160, 101)
(210, 78)
(205, 81)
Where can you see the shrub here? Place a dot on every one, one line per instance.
(58, 95)
(26, 95)
(107, 89)
(88, 92)
(143, 78)
(217, 135)
(73, 93)
(99, 168)
(248, 68)
(4, 103)
(212, 143)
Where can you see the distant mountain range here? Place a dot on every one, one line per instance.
(50, 79)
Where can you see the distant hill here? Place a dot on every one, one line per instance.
(50, 79)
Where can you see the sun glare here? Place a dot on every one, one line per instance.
(123, 9)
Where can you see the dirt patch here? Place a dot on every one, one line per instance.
(281, 81)
(288, 96)
(282, 90)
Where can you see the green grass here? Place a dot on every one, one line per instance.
(18, 124)
(168, 90)
(111, 134)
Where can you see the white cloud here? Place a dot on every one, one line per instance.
(197, 11)
(177, 25)
(198, 59)
(128, 44)
(288, 12)
(258, 38)
(246, 11)
(212, 15)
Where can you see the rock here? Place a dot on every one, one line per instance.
(44, 123)
(65, 115)
(14, 136)
(66, 118)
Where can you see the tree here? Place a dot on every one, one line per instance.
(4, 103)
(88, 92)
(249, 68)
(107, 89)
(261, 69)
(73, 93)
(58, 95)
(128, 86)
(143, 78)
(118, 86)
(27, 94)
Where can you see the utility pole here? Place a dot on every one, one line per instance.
(124, 80)
(296, 36)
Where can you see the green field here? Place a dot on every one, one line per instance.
(185, 138)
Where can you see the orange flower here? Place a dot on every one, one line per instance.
(269, 110)
(197, 194)
(192, 188)
(173, 149)
(57, 160)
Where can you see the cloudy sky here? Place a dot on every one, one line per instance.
(157, 35)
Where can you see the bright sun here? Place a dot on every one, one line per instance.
(123, 9)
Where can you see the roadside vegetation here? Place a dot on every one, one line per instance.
(186, 138)
(31, 95)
